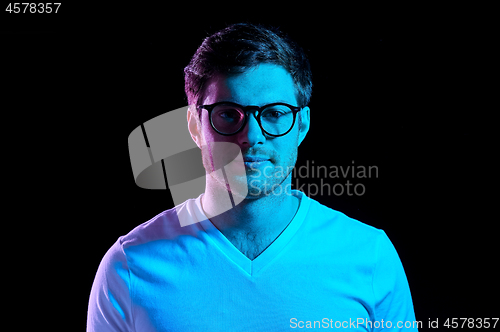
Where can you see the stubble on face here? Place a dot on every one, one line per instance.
(264, 85)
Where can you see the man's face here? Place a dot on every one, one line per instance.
(261, 85)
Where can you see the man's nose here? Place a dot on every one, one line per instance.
(251, 134)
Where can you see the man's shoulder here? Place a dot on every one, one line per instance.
(163, 226)
(338, 223)
(343, 235)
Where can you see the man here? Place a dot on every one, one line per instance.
(276, 260)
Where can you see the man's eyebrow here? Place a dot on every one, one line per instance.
(268, 103)
(280, 101)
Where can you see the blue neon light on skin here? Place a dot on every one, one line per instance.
(211, 274)
(260, 85)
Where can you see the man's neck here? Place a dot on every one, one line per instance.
(252, 225)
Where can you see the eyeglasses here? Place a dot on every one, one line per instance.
(229, 118)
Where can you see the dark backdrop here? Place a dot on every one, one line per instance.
(403, 89)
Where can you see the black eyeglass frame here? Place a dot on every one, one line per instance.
(250, 108)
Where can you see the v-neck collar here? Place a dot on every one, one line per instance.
(252, 267)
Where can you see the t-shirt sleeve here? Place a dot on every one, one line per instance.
(393, 300)
(109, 303)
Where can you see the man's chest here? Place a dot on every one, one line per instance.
(219, 296)
(251, 247)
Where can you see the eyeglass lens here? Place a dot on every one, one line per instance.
(275, 120)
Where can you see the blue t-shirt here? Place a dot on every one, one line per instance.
(325, 270)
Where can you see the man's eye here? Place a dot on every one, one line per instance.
(229, 114)
(273, 114)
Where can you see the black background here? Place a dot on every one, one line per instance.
(405, 89)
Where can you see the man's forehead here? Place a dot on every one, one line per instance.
(261, 84)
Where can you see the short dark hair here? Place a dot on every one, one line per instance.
(242, 46)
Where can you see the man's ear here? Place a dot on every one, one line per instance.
(305, 122)
(194, 125)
